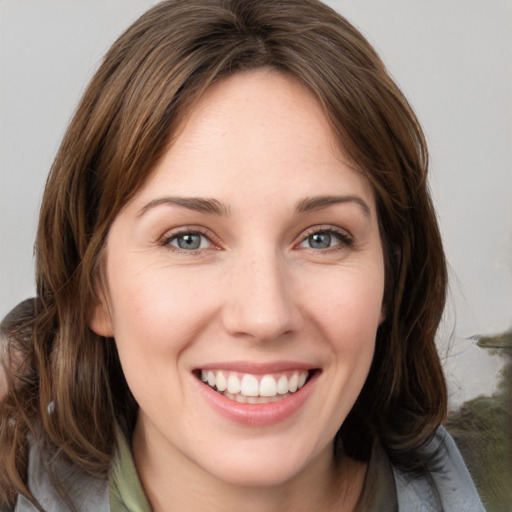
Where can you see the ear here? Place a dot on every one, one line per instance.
(101, 320)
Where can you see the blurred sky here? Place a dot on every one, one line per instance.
(453, 60)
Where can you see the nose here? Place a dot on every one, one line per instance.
(260, 303)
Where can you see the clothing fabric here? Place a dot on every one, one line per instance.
(379, 491)
(447, 489)
(126, 493)
(85, 493)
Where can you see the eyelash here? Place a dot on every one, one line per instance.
(168, 238)
(345, 240)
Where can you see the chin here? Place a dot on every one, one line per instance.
(255, 465)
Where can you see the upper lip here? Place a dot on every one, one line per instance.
(255, 368)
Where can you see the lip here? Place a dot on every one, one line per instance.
(259, 415)
(258, 368)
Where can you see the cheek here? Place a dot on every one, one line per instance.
(158, 309)
(156, 316)
(348, 304)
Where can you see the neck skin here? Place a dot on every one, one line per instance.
(177, 482)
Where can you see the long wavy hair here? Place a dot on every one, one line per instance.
(127, 118)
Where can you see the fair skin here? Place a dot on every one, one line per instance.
(276, 271)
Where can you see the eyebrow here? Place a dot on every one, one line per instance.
(198, 204)
(215, 207)
(313, 203)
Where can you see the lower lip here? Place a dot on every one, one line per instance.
(258, 415)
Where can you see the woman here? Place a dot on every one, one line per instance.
(240, 277)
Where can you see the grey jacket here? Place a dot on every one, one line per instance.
(449, 489)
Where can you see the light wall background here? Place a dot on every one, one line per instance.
(452, 59)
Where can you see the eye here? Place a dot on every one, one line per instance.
(325, 239)
(188, 241)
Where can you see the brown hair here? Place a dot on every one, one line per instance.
(125, 121)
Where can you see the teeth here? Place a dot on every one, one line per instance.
(282, 385)
(234, 385)
(250, 388)
(253, 399)
(220, 382)
(240, 398)
(268, 386)
(292, 384)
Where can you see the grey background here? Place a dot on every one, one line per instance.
(452, 59)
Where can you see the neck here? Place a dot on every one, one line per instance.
(324, 484)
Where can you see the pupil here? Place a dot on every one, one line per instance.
(320, 241)
(189, 242)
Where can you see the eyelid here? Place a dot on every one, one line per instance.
(171, 234)
(347, 240)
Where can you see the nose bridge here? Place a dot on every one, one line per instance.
(260, 300)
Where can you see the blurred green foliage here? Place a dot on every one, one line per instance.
(501, 341)
(482, 429)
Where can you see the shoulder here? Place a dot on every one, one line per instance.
(86, 493)
(447, 488)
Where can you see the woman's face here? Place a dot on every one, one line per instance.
(250, 259)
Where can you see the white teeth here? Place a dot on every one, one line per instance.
(220, 382)
(268, 386)
(282, 385)
(233, 385)
(250, 386)
(293, 383)
(254, 399)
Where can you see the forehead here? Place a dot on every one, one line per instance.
(262, 128)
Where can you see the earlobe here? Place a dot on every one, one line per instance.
(101, 322)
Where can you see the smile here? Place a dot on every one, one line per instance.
(257, 395)
(255, 389)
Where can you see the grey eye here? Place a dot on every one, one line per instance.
(189, 241)
(319, 240)
(326, 239)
